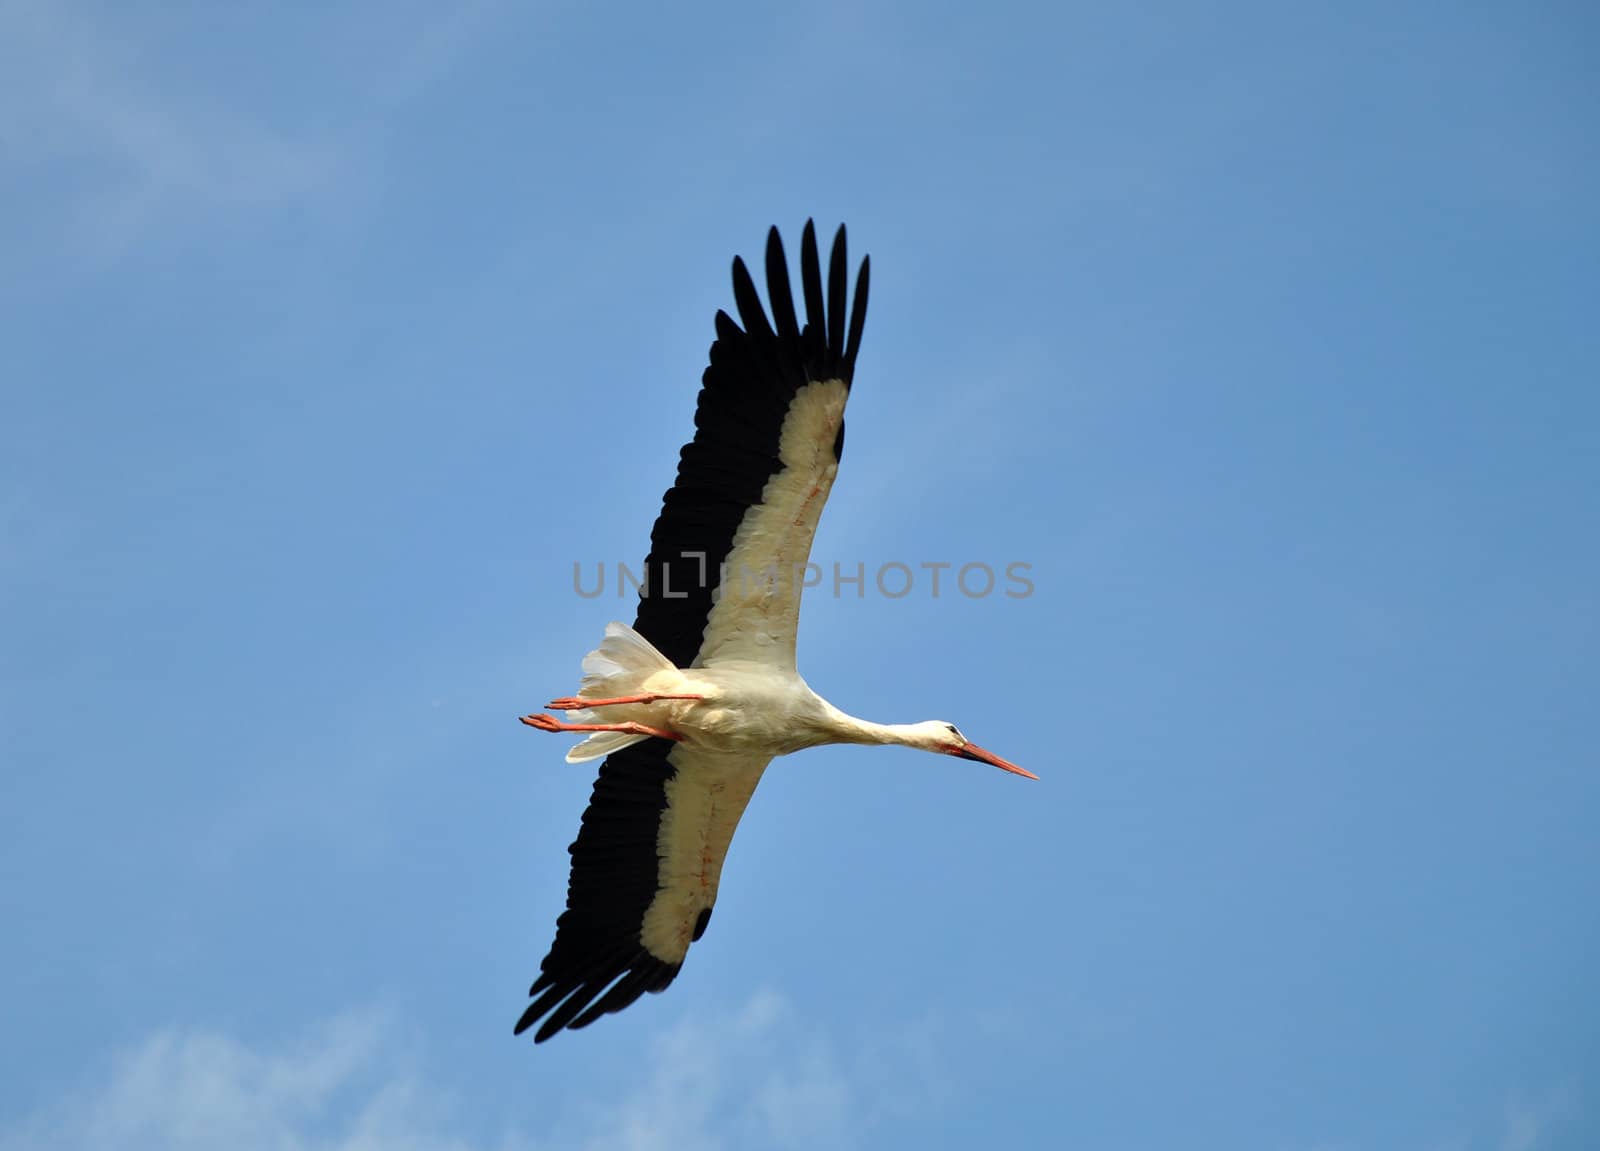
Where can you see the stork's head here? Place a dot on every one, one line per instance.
(946, 738)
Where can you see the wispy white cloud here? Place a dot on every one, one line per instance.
(1528, 1123)
(115, 152)
(88, 126)
(338, 1088)
(754, 1077)
(763, 1077)
(750, 1078)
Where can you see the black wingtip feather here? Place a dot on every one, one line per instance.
(544, 1003)
(727, 329)
(837, 272)
(822, 346)
(858, 318)
(811, 286)
(611, 979)
(575, 1003)
(748, 302)
(783, 317)
(621, 994)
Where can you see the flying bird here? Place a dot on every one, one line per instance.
(689, 705)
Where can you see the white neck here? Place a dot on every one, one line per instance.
(843, 728)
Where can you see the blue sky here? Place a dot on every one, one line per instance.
(334, 335)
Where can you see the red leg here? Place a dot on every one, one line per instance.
(550, 723)
(578, 702)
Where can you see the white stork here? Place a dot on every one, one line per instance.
(692, 703)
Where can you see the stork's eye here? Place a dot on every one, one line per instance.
(952, 729)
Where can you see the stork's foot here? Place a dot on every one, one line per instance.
(546, 722)
(578, 702)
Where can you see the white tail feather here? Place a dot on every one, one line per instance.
(602, 744)
(623, 661)
(623, 653)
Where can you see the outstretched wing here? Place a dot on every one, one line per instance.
(723, 578)
(769, 430)
(645, 870)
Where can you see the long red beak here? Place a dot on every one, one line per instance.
(973, 751)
